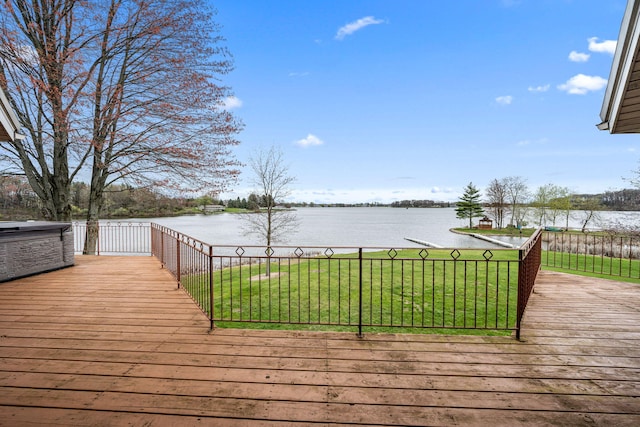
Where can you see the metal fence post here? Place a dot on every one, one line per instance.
(162, 260)
(211, 299)
(360, 334)
(178, 261)
(522, 279)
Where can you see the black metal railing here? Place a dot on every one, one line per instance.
(598, 252)
(353, 287)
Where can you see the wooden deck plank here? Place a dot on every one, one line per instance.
(310, 393)
(193, 401)
(295, 366)
(151, 352)
(317, 413)
(112, 341)
(24, 378)
(29, 416)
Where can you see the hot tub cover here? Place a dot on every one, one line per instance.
(7, 227)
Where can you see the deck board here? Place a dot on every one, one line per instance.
(112, 341)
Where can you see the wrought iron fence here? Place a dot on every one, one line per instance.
(354, 287)
(530, 255)
(118, 237)
(593, 252)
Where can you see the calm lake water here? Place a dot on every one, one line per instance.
(355, 227)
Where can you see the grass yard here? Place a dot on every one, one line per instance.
(466, 289)
(576, 254)
(627, 270)
(414, 290)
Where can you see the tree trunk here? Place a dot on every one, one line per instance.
(61, 199)
(586, 221)
(91, 238)
(96, 193)
(93, 218)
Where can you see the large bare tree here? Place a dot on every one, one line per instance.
(44, 77)
(517, 194)
(139, 92)
(497, 201)
(273, 184)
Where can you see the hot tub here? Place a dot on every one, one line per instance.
(33, 247)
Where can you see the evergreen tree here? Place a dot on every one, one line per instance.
(469, 204)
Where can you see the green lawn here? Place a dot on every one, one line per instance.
(569, 261)
(467, 289)
(627, 270)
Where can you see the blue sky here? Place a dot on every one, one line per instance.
(385, 100)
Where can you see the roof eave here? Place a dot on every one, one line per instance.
(8, 121)
(621, 67)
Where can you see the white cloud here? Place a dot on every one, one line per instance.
(299, 74)
(504, 100)
(309, 141)
(543, 88)
(605, 46)
(354, 26)
(23, 52)
(578, 56)
(581, 84)
(231, 102)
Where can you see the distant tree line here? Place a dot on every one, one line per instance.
(124, 201)
(507, 201)
(19, 202)
(253, 202)
(419, 204)
(336, 205)
(622, 200)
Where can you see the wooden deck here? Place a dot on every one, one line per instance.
(112, 342)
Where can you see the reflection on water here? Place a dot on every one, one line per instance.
(353, 227)
(356, 227)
